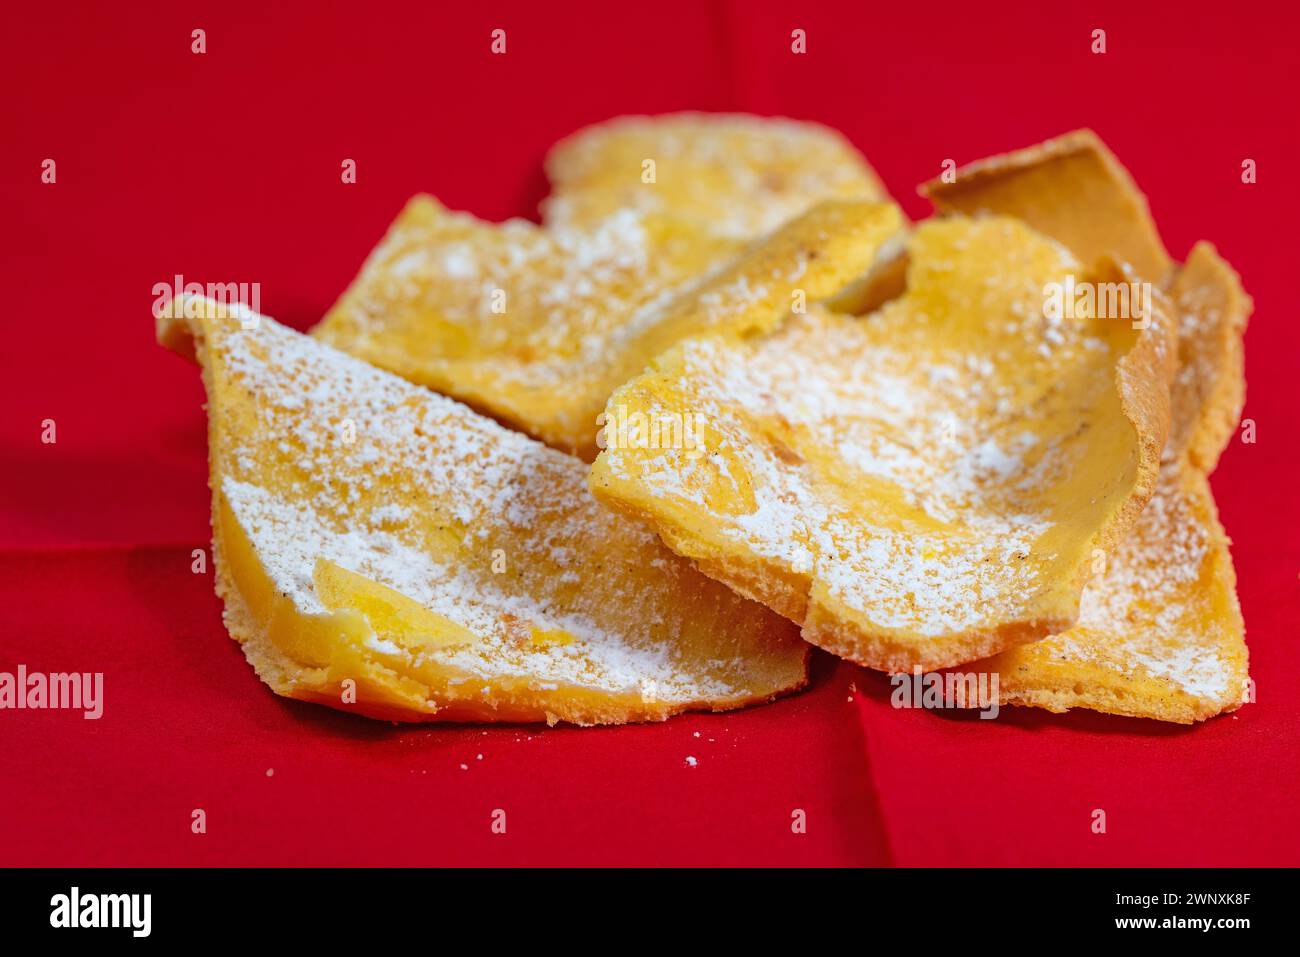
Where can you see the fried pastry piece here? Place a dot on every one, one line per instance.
(537, 327)
(386, 550)
(919, 487)
(730, 175)
(1160, 633)
(1071, 188)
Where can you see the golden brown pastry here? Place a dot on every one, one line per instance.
(922, 486)
(1160, 633)
(386, 550)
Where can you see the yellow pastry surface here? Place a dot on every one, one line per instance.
(730, 175)
(925, 485)
(1071, 188)
(386, 550)
(538, 326)
(1160, 633)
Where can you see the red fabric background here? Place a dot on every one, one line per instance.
(225, 167)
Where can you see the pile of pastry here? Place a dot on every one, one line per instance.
(725, 404)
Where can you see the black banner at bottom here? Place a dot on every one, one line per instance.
(334, 907)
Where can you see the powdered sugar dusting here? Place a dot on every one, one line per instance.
(1150, 612)
(416, 492)
(906, 477)
(534, 307)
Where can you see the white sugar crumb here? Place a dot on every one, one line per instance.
(691, 761)
(457, 261)
(416, 495)
(392, 514)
